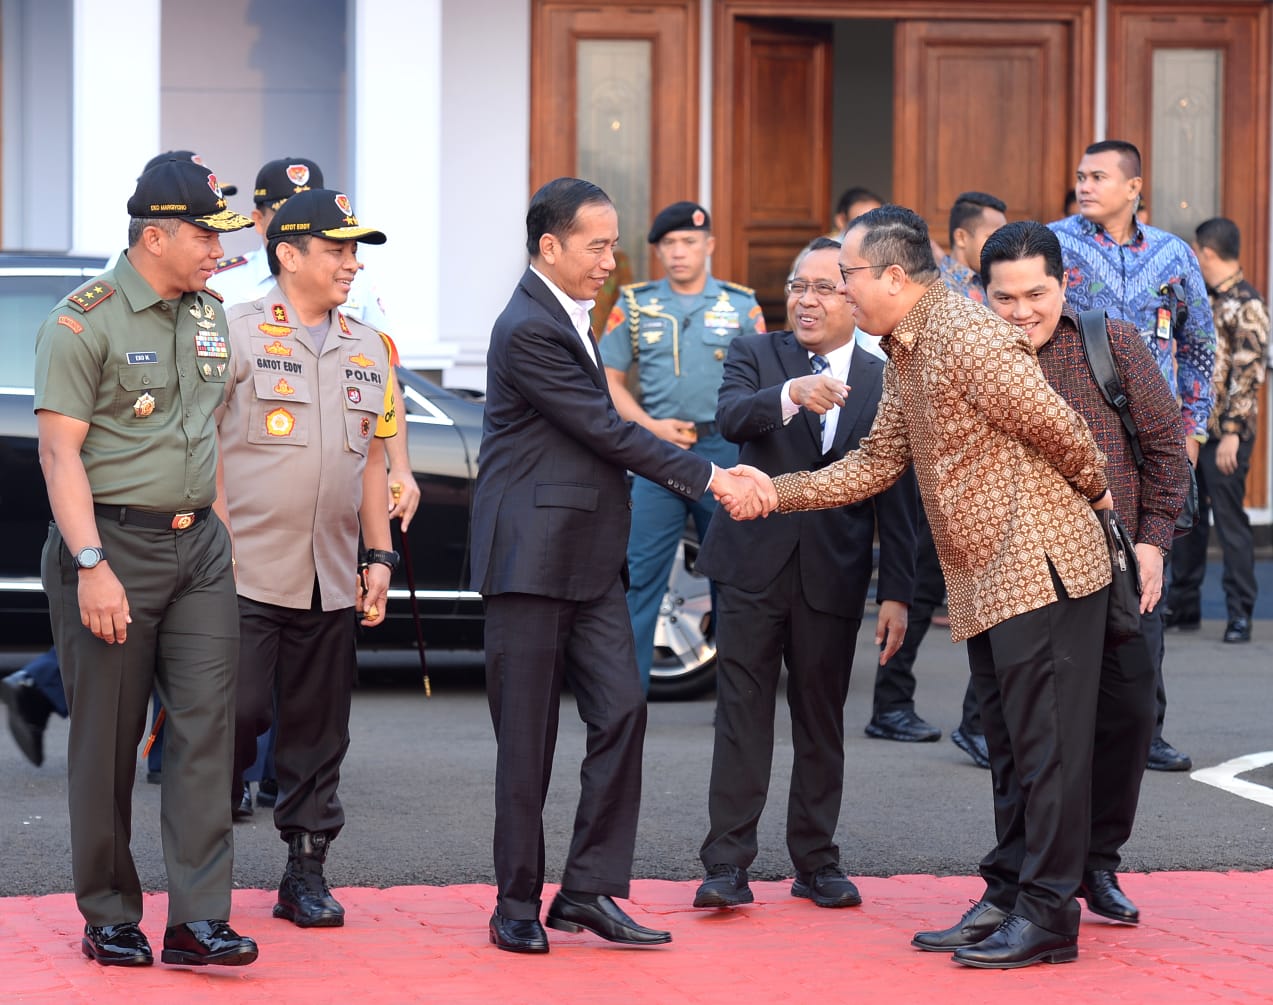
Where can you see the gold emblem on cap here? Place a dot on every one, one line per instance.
(144, 405)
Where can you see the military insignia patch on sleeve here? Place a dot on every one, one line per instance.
(614, 320)
(66, 321)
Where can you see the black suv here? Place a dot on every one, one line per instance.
(444, 432)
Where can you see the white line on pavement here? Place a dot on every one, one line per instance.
(1224, 776)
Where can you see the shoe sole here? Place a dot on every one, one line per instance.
(880, 734)
(803, 892)
(1067, 955)
(562, 925)
(924, 947)
(234, 958)
(324, 921)
(720, 901)
(141, 960)
(1161, 766)
(972, 752)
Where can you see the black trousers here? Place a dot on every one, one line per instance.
(303, 663)
(895, 680)
(1037, 677)
(756, 632)
(534, 645)
(183, 643)
(1219, 496)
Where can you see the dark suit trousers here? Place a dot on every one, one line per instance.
(895, 680)
(755, 633)
(183, 642)
(1037, 677)
(301, 663)
(534, 644)
(1125, 713)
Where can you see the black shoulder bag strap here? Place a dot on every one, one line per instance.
(1101, 359)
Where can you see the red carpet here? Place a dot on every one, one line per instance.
(1206, 937)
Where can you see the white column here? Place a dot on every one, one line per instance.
(115, 120)
(396, 154)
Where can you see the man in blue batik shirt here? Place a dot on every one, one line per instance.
(1114, 262)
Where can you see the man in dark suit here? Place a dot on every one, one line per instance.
(549, 534)
(794, 587)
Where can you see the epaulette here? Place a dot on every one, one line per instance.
(229, 263)
(91, 295)
(209, 290)
(637, 287)
(737, 287)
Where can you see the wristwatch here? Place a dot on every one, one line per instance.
(377, 555)
(88, 558)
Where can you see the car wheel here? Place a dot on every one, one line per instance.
(684, 641)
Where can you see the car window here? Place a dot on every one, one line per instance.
(25, 302)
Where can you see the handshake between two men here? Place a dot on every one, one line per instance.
(745, 492)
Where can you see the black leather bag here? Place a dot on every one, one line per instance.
(1123, 621)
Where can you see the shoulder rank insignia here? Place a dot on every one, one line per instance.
(344, 325)
(91, 295)
(738, 287)
(279, 313)
(229, 263)
(213, 293)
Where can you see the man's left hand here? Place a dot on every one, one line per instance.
(1150, 558)
(404, 496)
(890, 629)
(373, 600)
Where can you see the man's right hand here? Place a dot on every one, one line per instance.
(677, 431)
(103, 604)
(819, 392)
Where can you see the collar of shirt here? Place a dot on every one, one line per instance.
(838, 361)
(576, 310)
(908, 329)
(1139, 239)
(1225, 285)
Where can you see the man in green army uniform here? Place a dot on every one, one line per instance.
(675, 331)
(137, 568)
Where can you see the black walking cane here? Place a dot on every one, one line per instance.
(396, 490)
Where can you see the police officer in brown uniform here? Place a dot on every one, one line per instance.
(302, 434)
(138, 570)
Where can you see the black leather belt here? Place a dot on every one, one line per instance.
(705, 428)
(152, 520)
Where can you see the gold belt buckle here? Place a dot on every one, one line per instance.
(182, 520)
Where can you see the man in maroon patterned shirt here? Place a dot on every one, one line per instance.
(1021, 266)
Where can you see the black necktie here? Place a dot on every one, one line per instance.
(820, 365)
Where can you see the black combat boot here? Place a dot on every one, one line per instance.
(303, 896)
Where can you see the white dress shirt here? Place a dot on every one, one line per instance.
(577, 311)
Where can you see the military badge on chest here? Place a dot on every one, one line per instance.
(144, 406)
(723, 317)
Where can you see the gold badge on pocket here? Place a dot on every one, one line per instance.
(144, 406)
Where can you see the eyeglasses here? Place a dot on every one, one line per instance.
(844, 273)
(822, 290)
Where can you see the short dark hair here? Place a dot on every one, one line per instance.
(298, 241)
(968, 206)
(1070, 196)
(1129, 155)
(1023, 239)
(136, 224)
(895, 235)
(817, 244)
(555, 208)
(1221, 235)
(855, 194)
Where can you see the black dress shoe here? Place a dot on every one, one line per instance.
(1100, 889)
(1019, 942)
(972, 744)
(518, 936)
(1164, 757)
(117, 945)
(198, 943)
(724, 886)
(267, 792)
(902, 725)
(1238, 630)
(978, 921)
(828, 887)
(28, 714)
(242, 810)
(1184, 620)
(601, 916)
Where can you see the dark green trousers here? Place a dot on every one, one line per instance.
(183, 642)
